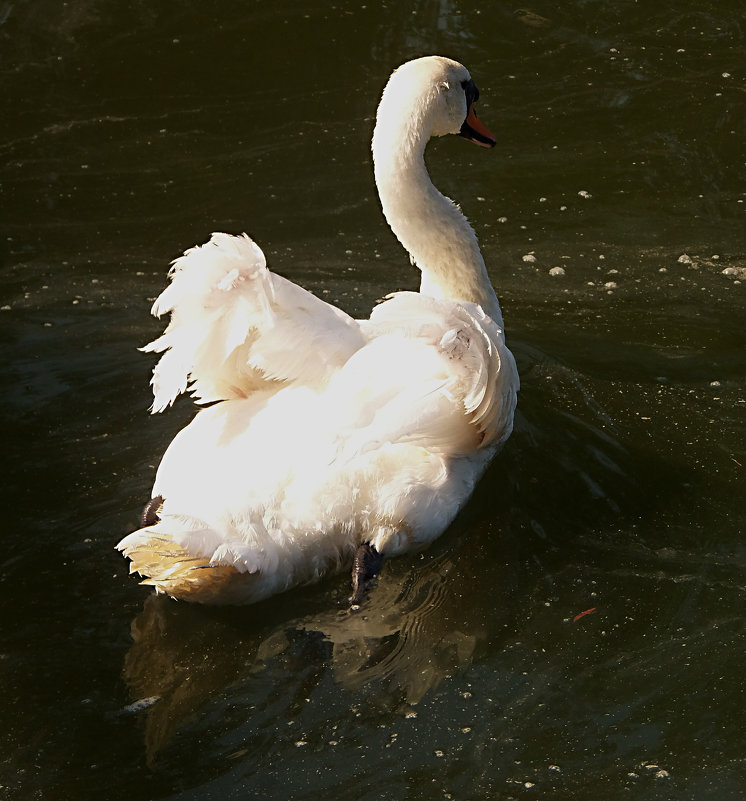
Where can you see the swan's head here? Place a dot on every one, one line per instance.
(432, 96)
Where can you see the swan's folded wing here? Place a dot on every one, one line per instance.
(477, 370)
(235, 326)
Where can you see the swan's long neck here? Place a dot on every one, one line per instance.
(431, 227)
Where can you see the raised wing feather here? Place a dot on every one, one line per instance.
(235, 326)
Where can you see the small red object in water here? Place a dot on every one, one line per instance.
(583, 614)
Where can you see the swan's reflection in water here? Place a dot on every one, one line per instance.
(417, 627)
(406, 637)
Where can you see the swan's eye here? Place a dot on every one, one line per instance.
(471, 92)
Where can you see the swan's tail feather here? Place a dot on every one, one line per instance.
(174, 571)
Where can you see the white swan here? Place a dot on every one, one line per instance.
(334, 441)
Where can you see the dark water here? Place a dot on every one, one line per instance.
(131, 131)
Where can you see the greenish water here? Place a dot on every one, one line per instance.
(132, 131)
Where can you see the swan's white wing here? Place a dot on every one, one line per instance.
(472, 371)
(235, 326)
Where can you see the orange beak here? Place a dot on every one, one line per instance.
(474, 130)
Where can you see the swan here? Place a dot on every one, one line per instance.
(329, 442)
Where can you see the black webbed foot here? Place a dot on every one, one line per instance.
(368, 562)
(149, 515)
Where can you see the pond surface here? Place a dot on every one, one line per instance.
(578, 633)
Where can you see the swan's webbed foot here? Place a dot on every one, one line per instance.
(368, 562)
(149, 515)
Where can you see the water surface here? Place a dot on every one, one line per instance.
(612, 218)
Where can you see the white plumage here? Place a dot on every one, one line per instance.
(327, 433)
